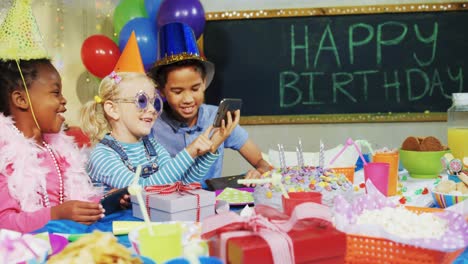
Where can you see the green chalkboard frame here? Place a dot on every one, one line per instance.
(332, 11)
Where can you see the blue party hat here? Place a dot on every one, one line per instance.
(177, 42)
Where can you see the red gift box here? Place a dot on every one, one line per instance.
(309, 239)
(315, 244)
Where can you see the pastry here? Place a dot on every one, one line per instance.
(431, 144)
(411, 143)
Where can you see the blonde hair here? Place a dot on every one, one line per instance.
(94, 120)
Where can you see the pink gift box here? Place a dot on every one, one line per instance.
(177, 206)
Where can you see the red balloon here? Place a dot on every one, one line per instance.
(99, 55)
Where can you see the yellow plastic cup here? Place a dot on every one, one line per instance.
(165, 244)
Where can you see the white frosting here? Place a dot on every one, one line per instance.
(404, 223)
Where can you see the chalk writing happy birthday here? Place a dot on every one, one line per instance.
(355, 69)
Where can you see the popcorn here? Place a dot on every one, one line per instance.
(374, 215)
(404, 223)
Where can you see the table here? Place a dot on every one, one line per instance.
(105, 225)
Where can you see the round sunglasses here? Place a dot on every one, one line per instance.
(142, 101)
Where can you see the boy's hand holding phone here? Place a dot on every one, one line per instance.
(222, 133)
(227, 118)
(226, 105)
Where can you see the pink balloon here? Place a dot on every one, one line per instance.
(99, 55)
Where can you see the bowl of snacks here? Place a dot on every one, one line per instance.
(448, 193)
(96, 247)
(421, 157)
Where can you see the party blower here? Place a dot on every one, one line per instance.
(135, 189)
(275, 180)
(376, 172)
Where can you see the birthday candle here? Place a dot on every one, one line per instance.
(298, 157)
(282, 158)
(301, 153)
(321, 155)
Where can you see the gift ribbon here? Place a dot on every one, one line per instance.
(274, 232)
(178, 187)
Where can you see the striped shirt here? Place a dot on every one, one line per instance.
(106, 166)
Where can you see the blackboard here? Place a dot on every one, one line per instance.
(387, 66)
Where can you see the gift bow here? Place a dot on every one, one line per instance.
(274, 232)
(172, 188)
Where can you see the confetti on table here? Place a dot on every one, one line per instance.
(402, 200)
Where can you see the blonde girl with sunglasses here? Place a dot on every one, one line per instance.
(120, 119)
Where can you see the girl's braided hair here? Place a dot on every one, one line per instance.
(10, 79)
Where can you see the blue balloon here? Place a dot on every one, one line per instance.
(152, 8)
(146, 35)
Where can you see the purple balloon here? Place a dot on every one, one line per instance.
(189, 12)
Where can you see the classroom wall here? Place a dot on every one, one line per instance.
(65, 24)
(268, 136)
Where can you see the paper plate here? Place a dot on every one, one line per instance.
(236, 196)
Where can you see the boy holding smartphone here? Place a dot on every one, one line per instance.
(182, 76)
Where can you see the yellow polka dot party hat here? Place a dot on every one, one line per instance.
(20, 38)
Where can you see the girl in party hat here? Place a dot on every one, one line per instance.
(42, 172)
(121, 117)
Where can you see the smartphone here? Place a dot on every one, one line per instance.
(111, 201)
(214, 184)
(227, 104)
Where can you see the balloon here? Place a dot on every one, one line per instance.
(127, 10)
(99, 55)
(152, 7)
(146, 37)
(189, 12)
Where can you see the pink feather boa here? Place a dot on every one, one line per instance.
(19, 161)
